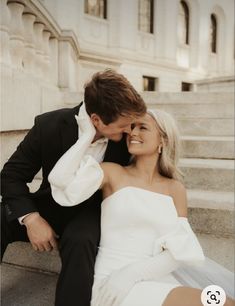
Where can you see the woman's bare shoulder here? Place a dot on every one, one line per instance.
(113, 167)
(113, 175)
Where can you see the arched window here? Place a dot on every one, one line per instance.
(183, 23)
(146, 15)
(96, 8)
(213, 34)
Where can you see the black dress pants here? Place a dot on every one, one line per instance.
(78, 244)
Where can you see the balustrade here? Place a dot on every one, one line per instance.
(16, 34)
(38, 29)
(46, 48)
(4, 32)
(29, 51)
(29, 40)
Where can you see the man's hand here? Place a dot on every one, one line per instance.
(40, 233)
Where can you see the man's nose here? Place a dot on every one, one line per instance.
(127, 129)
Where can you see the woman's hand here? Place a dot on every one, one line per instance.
(85, 124)
(114, 289)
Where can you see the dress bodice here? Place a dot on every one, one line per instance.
(133, 218)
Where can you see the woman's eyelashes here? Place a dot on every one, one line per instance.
(140, 126)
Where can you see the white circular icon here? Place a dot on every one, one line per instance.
(213, 295)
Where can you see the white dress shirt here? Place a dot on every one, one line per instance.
(96, 149)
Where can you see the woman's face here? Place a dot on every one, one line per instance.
(144, 138)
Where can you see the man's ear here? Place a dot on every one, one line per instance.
(96, 120)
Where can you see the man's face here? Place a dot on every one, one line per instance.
(113, 130)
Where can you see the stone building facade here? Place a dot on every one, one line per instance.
(49, 49)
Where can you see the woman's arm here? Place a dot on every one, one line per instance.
(66, 167)
(77, 176)
(115, 288)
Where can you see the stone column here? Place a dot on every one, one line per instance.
(29, 52)
(53, 43)
(38, 29)
(46, 67)
(16, 34)
(166, 30)
(4, 32)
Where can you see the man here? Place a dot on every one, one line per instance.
(112, 103)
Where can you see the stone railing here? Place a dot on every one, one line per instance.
(33, 42)
(38, 65)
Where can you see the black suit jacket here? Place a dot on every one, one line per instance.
(52, 135)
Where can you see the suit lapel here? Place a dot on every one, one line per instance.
(69, 129)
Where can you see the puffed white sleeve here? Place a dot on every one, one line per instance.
(76, 175)
(83, 183)
(178, 247)
(183, 244)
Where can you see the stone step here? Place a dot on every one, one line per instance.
(216, 222)
(155, 98)
(205, 199)
(211, 212)
(152, 98)
(197, 110)
(179, 104)
(21, 254)
(21, 286)
(206, 126)
(208, 174)
(205, 114)
(219, 249)
(219, 147)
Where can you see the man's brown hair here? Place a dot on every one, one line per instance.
(110, 95)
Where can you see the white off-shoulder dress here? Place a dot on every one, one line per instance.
(136, 225)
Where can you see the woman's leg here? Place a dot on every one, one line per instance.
(184, 296)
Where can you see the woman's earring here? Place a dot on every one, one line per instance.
(159, 149)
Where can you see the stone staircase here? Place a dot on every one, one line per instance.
(206, 124)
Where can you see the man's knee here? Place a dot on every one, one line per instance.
(79, 238)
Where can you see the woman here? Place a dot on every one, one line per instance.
(145, 235)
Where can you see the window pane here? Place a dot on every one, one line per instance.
(149, 83)
(213, 33)
(146, 16)
(96, 8)
(186, 86)
(183, 23)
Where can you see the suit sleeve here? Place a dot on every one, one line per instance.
(19, 170)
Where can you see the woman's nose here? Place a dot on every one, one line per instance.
(134, 131)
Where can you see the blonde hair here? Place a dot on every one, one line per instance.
(169, 133)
